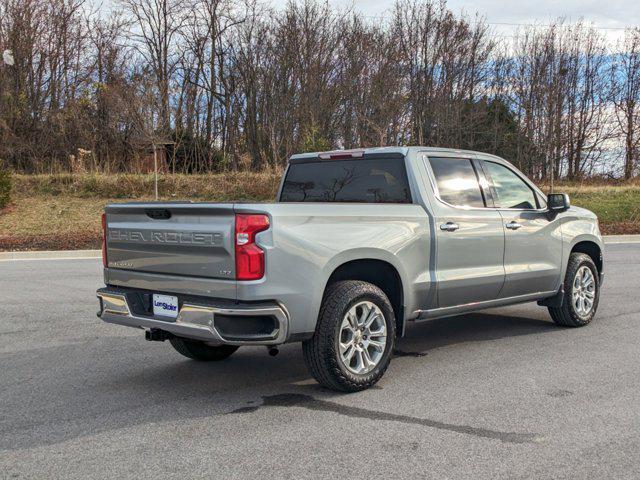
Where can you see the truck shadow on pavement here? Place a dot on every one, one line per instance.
(251, 367)
(146, 383)
(423, 337)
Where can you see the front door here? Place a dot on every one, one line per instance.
(469, 236)
(533, 240)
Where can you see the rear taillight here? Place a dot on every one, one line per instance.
(104, 240)
(249, 257)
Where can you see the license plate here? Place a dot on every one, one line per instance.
(165, 305)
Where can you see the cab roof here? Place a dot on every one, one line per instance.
(381, 151)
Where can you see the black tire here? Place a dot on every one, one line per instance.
(321, 352)
(566, 315)
(199, 351)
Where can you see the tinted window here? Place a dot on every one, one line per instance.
(512, 191)
(381, 180)
(457, 182)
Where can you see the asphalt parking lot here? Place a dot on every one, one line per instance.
(498, 394)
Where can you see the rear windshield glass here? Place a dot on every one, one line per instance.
(380, 180)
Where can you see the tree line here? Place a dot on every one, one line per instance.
(237, 84)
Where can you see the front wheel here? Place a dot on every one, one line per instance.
(199, 351)
(581, 293)
(354, 338)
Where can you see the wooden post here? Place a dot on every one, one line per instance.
(155, 169)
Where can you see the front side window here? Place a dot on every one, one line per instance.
(457, 182)
(511, 190)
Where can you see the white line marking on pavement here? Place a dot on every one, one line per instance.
(50, 255)
(621, 242)
(47, 259)
(611, 239)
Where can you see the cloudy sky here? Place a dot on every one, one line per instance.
(609, 15)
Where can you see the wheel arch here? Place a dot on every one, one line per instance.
(380, 273)
(591, 248)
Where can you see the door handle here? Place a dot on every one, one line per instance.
(449, 227)
(513, 225)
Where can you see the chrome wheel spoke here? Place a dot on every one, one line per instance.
(345, 346)
(352, 319)
(365, 311)
(348, 354)
(360, 364)
(371, 317)
(368, 362)
(346, 326)
(380, 332)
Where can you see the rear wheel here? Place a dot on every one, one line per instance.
(354, 337)
(199, 351)
(581, 293)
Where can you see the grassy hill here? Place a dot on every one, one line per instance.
(61, 212)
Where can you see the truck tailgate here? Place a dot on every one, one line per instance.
(187, 239)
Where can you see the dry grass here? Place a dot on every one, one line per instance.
(617, 207)
(222, 187)
(63, 211)
(64, 214)
(51, 223)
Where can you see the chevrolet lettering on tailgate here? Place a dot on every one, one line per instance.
(177, 238)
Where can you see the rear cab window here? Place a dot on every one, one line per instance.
(363, 180)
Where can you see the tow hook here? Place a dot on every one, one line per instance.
(156, 335)
(273, 351)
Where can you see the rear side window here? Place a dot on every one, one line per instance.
(380, 180)
(457, 182)
(512, 191)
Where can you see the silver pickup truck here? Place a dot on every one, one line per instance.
(358, 243)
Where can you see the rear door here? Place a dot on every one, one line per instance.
(469, 236)
(533, 239)
(178, 239)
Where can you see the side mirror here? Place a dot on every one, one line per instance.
(558, 202)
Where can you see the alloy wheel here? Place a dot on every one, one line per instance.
(584, 291)
(363, 337)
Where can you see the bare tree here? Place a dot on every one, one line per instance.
(237, 84)
(158, 23)
(626, 98)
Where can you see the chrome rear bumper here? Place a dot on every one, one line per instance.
(195, 321)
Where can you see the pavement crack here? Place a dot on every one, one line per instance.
(311, 403)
